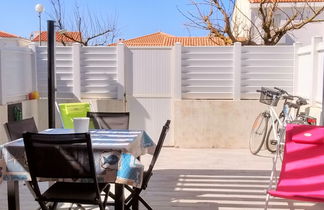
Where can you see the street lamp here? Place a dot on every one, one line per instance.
(39, 8)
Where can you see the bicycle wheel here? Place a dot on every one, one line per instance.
(258, 132)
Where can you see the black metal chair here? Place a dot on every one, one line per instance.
(16, 129)
(109, 120)
(63, 156)
(135, 192)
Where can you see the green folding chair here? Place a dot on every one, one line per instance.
(68, 111)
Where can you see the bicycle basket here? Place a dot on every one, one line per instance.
(267, 97)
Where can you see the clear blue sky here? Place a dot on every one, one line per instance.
(134, 17)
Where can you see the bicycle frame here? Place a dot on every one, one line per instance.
(278, 137)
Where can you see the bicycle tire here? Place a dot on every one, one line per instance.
(258, 133)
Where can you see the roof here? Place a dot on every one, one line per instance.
(59, 37)
(163, 39)
(287, 1)
(7, 35)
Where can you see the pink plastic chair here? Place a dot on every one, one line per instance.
(302, 171)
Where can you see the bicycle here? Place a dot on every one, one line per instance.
(261, 130)
(260, 125)
(297, 118)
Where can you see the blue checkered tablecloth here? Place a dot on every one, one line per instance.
(115, 153)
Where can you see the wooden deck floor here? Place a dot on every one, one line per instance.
(204, 179)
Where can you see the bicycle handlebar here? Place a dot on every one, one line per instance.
(266, 90)
(289, 97)
(279, 92)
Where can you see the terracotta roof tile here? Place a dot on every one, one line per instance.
(163, 39)
(7, 35)
(286, 1)
(59, 37)
(193, 41)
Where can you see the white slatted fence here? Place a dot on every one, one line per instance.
(207, 72)
(268, 67)
(16, 74)
(99, 72)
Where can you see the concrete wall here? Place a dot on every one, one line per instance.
(195, 123)
(214, 123)
(30, 109)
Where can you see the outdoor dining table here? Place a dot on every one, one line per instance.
(115, 154)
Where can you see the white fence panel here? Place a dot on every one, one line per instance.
(41, 63)
(304, 80)
(268, 67)
(63, 71)
(310, 61)
(99, 72)
(207, 72)
(16, 73)
(148, 87)
(151, 72)
(320, 78)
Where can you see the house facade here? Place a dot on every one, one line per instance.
(11, 40)
(246, 10)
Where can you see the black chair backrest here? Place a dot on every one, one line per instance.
(109, 120)
(59, 155)
(156, 154)
(16, 129)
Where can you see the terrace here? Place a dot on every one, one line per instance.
(226, 179)
(207, 92)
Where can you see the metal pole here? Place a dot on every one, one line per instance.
(51, 73)
(40, 28)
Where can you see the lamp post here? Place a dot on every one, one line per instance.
(39, 8)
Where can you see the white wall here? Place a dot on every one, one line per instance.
(241, 18)
(13, 42)
(288, 9)
(309, 68)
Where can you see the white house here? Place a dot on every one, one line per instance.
(11, 40)
(246, 10)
